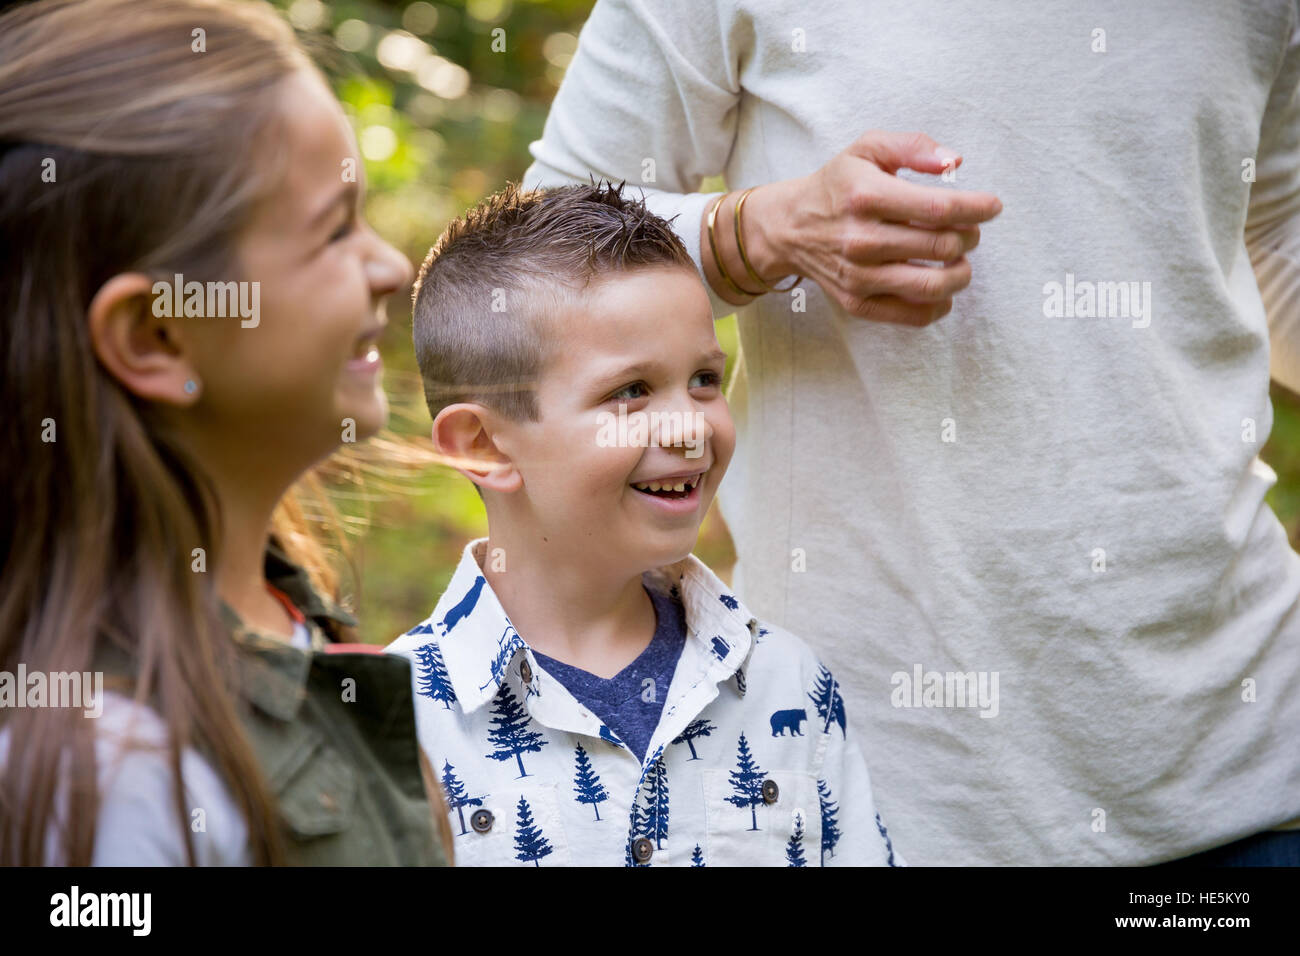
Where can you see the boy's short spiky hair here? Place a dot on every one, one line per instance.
(495, 275)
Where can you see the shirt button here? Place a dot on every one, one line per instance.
(525, 672)
(327, 801)
(770, 791)
(481, 821)
(642, 849)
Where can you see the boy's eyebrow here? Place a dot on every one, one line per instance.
(641, 368)
(346, 196)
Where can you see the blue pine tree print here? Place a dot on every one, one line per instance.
(830, 826)
(434, 682)
(456, 797)
(636, 828)
(794, 849)
(460, 610)
(424, 627)
(695, 729)
(530, 843)
(720, 647)
(747, 782)
(884, 835)
(826, 698)
(656, 785)
(509, 732)
(507, 644)
(728, 601)
(697, 858)
(586, 784)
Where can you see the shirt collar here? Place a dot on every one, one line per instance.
(479, 644)
(274, 673)
(296, 583)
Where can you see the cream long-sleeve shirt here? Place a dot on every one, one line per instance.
(1031, 539)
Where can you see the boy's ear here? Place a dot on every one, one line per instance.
(144, 352)
(463, 434)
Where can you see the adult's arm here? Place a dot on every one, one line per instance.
(651, 97)
(651, 91)
(1273, 219)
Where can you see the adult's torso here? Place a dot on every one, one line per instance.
(1073, 502)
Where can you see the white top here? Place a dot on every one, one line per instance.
(753, 761)
(138, 823)
(1094, 530)
(301, 636)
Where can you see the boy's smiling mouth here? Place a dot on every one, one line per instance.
(679, 487)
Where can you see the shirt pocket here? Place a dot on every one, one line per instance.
(319, 799)
(525, 828)
(772, 821)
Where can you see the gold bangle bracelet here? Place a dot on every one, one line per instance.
(717, 259)
(740, 243)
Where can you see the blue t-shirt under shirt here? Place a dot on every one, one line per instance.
(627, 705)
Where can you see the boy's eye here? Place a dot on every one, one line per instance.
(622, 392)
(711, 379)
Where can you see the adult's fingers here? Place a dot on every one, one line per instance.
(892, 151)
(894, 310)
(893, 242)
(907, 281)
(896, 200)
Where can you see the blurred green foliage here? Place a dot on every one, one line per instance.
(1282, 452)
(442, 120)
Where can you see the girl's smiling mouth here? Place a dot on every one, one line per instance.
(365, 352)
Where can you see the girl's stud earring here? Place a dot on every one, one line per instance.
(191, 386)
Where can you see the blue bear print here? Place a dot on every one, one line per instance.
(790, 720)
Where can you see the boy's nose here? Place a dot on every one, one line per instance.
(687, 427)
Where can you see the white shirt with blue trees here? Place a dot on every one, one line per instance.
(753, 762)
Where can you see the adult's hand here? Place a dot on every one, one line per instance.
(852, 226)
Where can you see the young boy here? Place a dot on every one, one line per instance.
(591, 693)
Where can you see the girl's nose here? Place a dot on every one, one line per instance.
(388, 269)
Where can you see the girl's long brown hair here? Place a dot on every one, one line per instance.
(123, 148)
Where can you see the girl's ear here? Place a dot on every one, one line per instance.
(463, 435)
(143, 351)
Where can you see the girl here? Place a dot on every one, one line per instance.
(151, 440)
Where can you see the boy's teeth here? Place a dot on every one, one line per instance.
(665, 486)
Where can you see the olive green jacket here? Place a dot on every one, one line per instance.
(334, 731)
